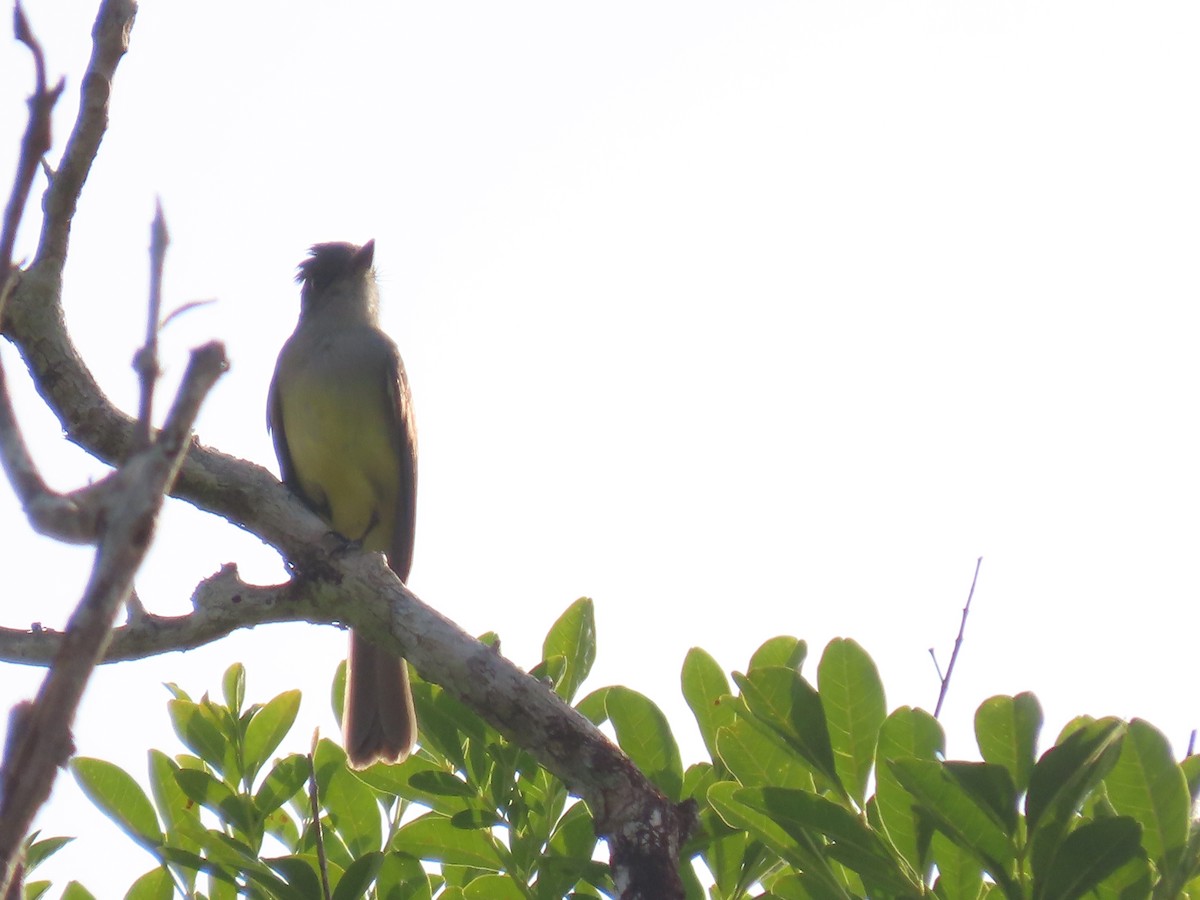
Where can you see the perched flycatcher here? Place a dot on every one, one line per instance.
(340, 414)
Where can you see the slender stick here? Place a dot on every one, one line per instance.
(34, 144)
(145, 362)
(314, 802)
(937, 710)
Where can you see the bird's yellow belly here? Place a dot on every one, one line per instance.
(344, 457)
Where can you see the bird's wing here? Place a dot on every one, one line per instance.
(405, 431)
(275, 426)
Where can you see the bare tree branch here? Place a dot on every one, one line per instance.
(42, 741)
(224, 604)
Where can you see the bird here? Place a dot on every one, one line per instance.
(340, 414)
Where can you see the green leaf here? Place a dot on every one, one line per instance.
(1006, 729)
(697, 779)
(1063, 778)
(154, 885)
(355, 880)
(644, 735)
(267, 728)
(300, 872)
(1191, 771)
(176, 691)
(1066, 772)
(550, 670)
(1090, 853)
(707, 691)
(906, 734)
(173, 804)
(352, 807)
(275, 887)
(193, 863)
(233, 686)
(442, 784)
(35, 890)
(791, 886)
(557, 875)
(592, 707)
(198, 732)
(286, 778)
(991, 787)
(119, 797)
(215, 795)
(492, 771)
(1147, 785)
(402, 877)
(337, 692)
(442, 722)
(805, 854)
(240, 857)
(853, 843)
(784, 651)
(973, 826)
(789, 706)
(724, 857)
(574, 834)
(493, 887)
(222, 849)
(1132, 881)
(76, 891)
(573, 637)
(757, 759)
(476, 818)
(959, 872)
(433, 837)
(175, 809)
(854, 704)
(37, 852)
(281, 826)
(397, 781)
(1076, 724)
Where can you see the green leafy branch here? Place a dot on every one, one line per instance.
(785, 803)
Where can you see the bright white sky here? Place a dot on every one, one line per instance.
(743, 319)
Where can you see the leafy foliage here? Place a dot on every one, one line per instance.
(1106, 812)
(786, 809)
(231, 819)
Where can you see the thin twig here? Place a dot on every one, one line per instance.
(110, 40)
(937, 668)
(316, 814)
(17, 461)
(145, 361)
(34, 145)
(184, 308)
(937, 710)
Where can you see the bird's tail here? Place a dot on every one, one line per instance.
(378, 721)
